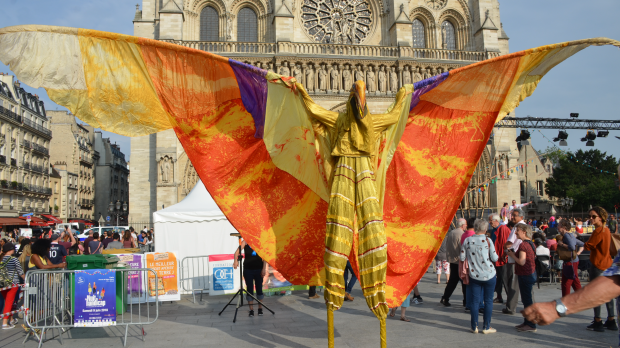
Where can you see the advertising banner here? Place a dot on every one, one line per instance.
(136, 281)
(223, 279)
(95, 298)
(167, 284)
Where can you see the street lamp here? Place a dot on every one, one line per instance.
(115, 209)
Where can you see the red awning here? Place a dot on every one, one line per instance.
(52, 218)
(35, 221)
(12, 221)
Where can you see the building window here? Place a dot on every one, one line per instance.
(548, 168)
(540, 188)
(247, 25)
(419, 40)
(448, 36)
(522, 188)
(209, 24)
(536, 168)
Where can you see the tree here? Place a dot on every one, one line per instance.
(555, 154)
(578, 176)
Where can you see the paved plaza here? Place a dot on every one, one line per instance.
(300, 322)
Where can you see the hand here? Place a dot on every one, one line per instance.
(235, 264)
(542, 313)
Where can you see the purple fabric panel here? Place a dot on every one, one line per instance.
(253, 88)
(421, 87)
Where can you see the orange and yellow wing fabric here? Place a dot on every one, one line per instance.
(261, 153)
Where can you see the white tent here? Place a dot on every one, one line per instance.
(194, 227)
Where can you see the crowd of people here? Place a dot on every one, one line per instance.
(20, 254)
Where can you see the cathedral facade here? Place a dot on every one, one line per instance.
(327, 45)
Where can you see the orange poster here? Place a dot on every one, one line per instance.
(167, 284)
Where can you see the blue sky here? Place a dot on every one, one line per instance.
(587, 83)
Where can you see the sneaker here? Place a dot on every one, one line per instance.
(489, 331)
(611, 325)
(14, 322)
(596, 326)
(498, 300)
(526, 328)
(251, 313)
(419, 298)
(7, 327)
(506, 311)
(416, 301)
(445, 302)
(260, 311)
(474, 331)
(313, 297)
(520, 325)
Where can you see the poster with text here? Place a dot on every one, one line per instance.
(95, 298)
(167, 284)
(223, 279)
(136, 281)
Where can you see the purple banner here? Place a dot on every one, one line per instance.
(135, 280)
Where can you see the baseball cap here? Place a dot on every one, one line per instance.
(55, 236)
(8, 247)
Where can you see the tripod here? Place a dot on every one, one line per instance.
(241, 290)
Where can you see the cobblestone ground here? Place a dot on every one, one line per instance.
(300, 322)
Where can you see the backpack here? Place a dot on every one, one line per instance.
(6, 279)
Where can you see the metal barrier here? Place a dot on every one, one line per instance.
(195, 274)
(50, 300)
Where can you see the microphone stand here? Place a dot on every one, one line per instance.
(241, 290)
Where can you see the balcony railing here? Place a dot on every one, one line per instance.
(314, 49)
(36, 147)
(38, 127)
(10, 114)
(26, 165)
(36, 168)
(13, 162)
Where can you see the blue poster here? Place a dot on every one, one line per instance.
(95, 298)
(223, 278)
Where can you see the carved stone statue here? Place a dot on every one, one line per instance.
(344, 34)
(427, 73)
(284, 70)
(406, 76)
(370, 80)
(334, 79)
(322, 79)
(417, 76)
(229, 28)
(165, 168)
(434, 72)
(359, 75)
(298, 74)
(393, 80)
(310, 78)
(352, 35)
(382, 80)
(336, 35)
(346, 76)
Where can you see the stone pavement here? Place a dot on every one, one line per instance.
(300, 322)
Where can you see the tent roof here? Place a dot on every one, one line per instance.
(197, 206)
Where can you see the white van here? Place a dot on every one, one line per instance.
(102, 229)
(76, 227)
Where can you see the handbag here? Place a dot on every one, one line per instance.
(6, 279)
(464, 271)
(566, 255)
(614, 246)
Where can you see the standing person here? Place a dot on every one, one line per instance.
(349, 283)
(453, 251)
(95, 246)
(312, 293)
(570, 268)
(403, 308)
(441, 262)
(15, 272)
(505, 213)
(58, 253)
(142, 241)
(600, 260)
(115, 243)
(470, 232)
(613, 225)
(578, 225)
(69, 242)
(108, 239)
(150, 247)
(24, 258)
(525, 269)
(128, 241)
(417, 298)
(501, 237)
(480, 253)
(254, 269)
(515, 206)
(87, 242)
(134, 236)
(511, 282)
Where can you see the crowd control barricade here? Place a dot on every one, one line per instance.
(58, 300)
(195, 274)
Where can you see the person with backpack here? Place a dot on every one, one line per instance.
(10, 272)
(525, 270)
(480, 254)
(95, 246)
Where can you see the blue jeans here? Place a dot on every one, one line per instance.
(526, 283)
(349, 285)
(481, 290)
(469, 299)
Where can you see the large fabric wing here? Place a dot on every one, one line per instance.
(255, 145)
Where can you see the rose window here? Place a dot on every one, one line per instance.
(337, 22)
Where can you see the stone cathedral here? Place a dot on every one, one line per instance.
(326, 44)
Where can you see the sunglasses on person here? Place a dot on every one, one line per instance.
(593, 217)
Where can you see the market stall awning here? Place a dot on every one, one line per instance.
(34, 221)
(11, 221)
(52, 219)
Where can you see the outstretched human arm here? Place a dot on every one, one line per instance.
(236, 262)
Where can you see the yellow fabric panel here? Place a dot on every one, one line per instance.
(121, 94)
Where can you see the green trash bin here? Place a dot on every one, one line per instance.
(100, 261)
